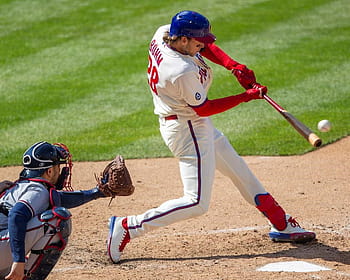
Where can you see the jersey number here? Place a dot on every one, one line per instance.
(153, 77)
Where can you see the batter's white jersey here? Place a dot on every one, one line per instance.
(176, 80)
(178, 83)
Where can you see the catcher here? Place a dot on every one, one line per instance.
(35, 221)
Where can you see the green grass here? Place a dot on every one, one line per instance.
(75, 72)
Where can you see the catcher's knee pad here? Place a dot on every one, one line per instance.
(47, 251)
(57, 221)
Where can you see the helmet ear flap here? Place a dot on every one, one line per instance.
(27, 159)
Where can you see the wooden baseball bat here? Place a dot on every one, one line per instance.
(301, 128)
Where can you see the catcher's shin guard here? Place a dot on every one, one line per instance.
(46, 261)
(270, 208)
(47, 251)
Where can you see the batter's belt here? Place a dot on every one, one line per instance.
(171, 117)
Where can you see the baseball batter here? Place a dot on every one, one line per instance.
(34, 218)
(179, 79)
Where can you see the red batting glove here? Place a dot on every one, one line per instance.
(253, 93)
(263, 89)
(245, 76)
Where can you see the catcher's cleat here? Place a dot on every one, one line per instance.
(292, 233)
(118, 237)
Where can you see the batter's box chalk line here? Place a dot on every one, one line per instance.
(343, 232)
(64, 269)
(208, 232)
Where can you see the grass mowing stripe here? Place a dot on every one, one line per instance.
(284, 33)
(79, 41)
(50, 65)
(114, 78)
(68, 56)
(109, 137)
(292, 51)
(258, 17)
(55, 61)
(85, 112)
(214, 9)
(17, 15)
(39, 29)
(100, 140)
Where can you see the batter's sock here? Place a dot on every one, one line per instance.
(271, 209)
(126, 238)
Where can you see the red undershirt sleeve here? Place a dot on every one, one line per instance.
(218, 56)
(216, 106)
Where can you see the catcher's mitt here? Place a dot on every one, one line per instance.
(115, 179)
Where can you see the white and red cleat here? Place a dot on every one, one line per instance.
(118, 237)
(292, 233)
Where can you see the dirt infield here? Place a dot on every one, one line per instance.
(230, 241)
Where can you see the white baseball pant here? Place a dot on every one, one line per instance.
(201, 148)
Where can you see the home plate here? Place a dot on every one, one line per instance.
(295, 266)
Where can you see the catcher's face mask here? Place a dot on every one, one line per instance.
(65, 157)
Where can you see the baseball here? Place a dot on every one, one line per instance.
(324, 126)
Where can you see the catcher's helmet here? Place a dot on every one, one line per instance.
(42, 156)
(191, 24)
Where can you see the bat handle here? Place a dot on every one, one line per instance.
(273, 103)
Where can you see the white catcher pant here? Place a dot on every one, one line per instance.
(35, 239)
(201, 148)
